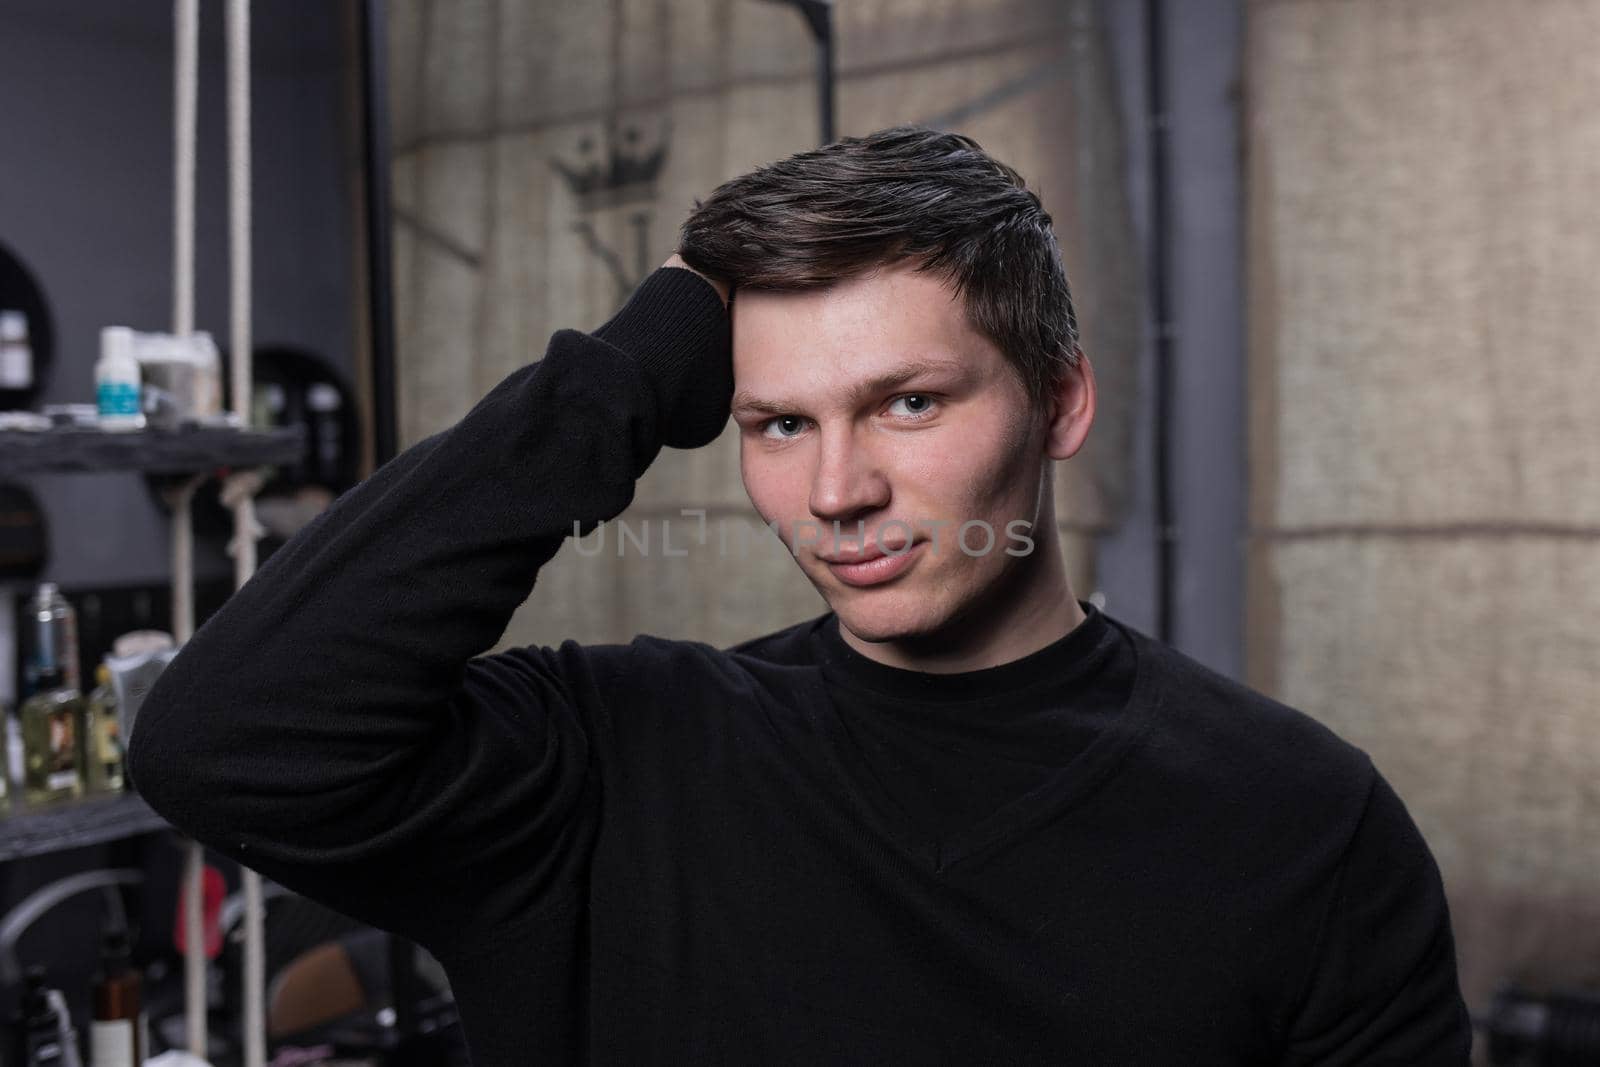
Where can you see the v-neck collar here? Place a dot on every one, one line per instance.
(842, 665)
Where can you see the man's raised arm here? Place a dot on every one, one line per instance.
(330, 726)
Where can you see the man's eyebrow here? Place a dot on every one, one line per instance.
(748, 403)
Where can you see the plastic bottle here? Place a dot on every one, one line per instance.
(118, 381)
(101, 737)
(171, 370)
(208, 376)
(136, 661)
(117, 1031)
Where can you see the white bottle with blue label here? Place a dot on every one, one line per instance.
(118, 382)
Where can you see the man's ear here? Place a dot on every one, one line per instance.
(1069, 409)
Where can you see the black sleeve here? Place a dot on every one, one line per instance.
(1383, 989)
(330, 725)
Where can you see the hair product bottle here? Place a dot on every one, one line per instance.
(50, 720)
(100, 738)
(208, 376)
(117, 1032)
(118, 381)
(5, 766)
(54, 626)
(16, 764)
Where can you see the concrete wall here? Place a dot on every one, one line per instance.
(1425, 499)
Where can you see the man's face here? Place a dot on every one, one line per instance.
(875, 406)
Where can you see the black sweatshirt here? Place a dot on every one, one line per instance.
(784, 852)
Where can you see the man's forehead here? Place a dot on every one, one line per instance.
(873, 294)
(876, 330)
(885, 316)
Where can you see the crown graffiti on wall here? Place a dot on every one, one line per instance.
(620, 167)
(614, 170)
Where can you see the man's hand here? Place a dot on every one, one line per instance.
(720, 286)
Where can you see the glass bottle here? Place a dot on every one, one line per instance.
(54, 625)
(100, 742)
(5, 770)
(50, 719)
(117, 1030)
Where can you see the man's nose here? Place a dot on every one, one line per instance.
(849, 481)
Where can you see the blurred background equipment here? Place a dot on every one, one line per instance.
(1557, 1029)
(27, 335)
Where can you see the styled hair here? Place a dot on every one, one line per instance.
(904, 193)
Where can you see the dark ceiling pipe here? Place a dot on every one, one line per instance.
(1163, 329)
(819, 18)
(375, 187)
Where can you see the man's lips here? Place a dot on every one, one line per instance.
(865, 554)
(875, 565)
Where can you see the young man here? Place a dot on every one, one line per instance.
(962, 817)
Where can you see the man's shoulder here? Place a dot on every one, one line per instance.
(679, 694)
(1220, 733)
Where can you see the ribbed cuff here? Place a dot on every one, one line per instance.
(672, 322)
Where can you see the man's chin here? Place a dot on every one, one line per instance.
(880, 618)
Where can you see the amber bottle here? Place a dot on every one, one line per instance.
(117, 1033)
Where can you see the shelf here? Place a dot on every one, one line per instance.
(76, 449)
(74, 824)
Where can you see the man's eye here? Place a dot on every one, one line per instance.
(787, 426)
(920, 404)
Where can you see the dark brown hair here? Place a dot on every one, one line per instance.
(907, 192)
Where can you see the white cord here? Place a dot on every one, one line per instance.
(194, 955)
(185, 71)
(245, 527)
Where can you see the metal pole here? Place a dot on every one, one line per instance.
(1161, 315)
(380, 269)
(819, 19)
